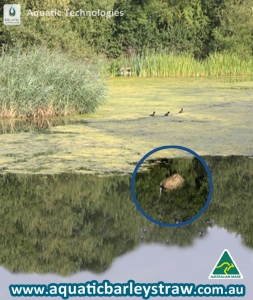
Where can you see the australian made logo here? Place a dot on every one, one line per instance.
(225, 268)
(11, 14)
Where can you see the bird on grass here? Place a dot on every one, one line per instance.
(166, 115)
(153, 114)
(181, 110)
(171, 184)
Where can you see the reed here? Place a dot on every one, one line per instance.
(40, 83)
(171, 65)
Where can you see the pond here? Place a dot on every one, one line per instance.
(67, 212)
(217, 120)
(186, 194)
(155, 262)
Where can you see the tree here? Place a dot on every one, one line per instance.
(235, 33)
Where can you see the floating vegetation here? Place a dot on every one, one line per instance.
(41, 125)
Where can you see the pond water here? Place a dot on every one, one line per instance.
(66, 208)
(69, 223)
(178, 204)
(156, 262)
(217, 120)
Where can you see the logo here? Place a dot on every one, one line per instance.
(225, 268)
(12, 14)
(12, 11)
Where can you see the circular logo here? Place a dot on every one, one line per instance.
(159, 222)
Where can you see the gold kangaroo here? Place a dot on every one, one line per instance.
(227, 268)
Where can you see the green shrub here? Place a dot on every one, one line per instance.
(44, 83)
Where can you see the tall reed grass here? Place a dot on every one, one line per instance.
(40, 83)
(171, 65)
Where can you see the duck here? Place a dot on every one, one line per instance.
(166, 115)
(171, 184)
(181, 110)
(153, 114)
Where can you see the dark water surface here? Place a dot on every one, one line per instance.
(178, 205)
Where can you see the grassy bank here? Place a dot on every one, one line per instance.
(41, 84)
(169, 65)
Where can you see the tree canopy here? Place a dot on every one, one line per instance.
(199, 27)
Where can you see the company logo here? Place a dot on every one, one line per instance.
(225, 268)
(12, 11)
(12, 14)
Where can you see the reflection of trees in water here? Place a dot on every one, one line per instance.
(67, 223)
(35, 124)
(180, 205)
(232, 205)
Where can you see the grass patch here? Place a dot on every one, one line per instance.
(170, 65)
(41, 83)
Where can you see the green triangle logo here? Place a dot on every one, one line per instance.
(225, 268)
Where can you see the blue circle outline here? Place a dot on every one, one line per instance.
(208, 198)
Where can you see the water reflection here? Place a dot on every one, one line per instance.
(168, 264)
(179, 205)
(36, 125)
(67, 223)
